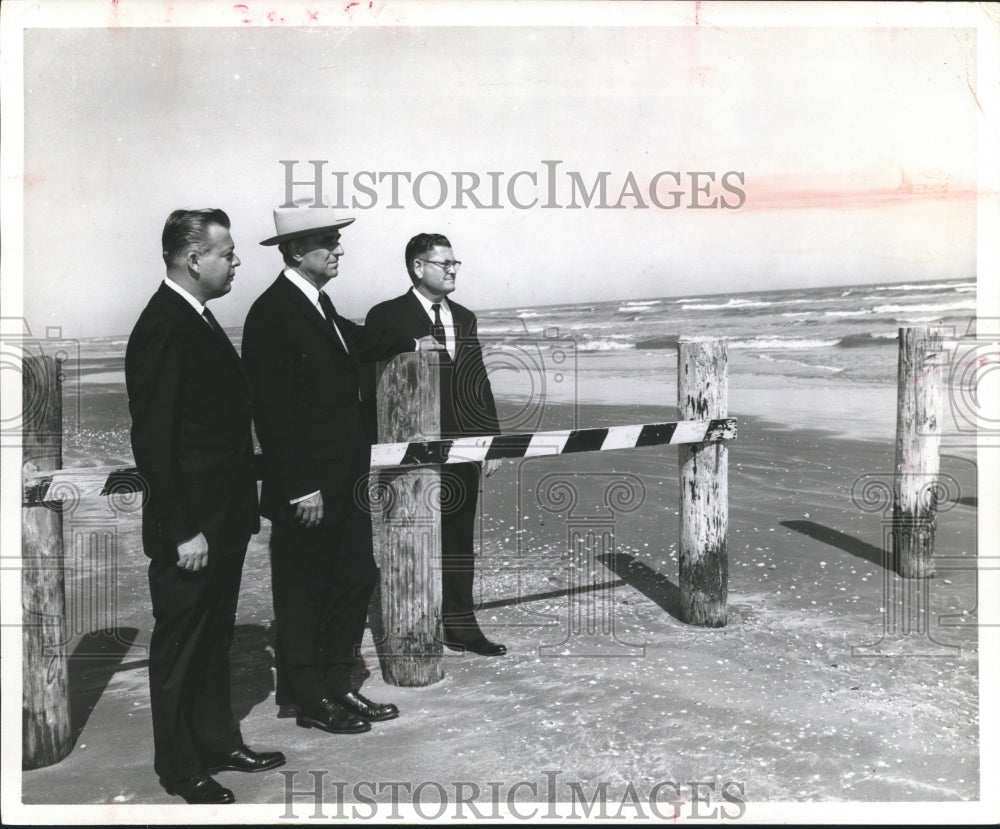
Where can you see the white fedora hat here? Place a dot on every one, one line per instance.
(299, 221)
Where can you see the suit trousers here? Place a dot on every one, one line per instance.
(194, 619)
(322, 579)
(460, 486)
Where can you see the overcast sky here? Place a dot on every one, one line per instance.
(856, 147)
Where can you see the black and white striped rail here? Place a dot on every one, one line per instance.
(74, 484)
(539, 444)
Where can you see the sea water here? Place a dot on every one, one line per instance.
(803, 358)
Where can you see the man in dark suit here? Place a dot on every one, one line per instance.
(190, 406)
(467, 409)
(304, 362)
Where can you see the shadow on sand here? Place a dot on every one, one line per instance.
(95, 659)
(654, 586)
(842, 541)
(99, 656)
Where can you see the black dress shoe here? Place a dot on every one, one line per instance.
(363, 707)
(328, 716)
(481, 646)
(199, 789)
(244, 759)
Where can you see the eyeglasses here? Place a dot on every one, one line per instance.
(445, 266)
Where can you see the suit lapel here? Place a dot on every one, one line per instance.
(202, 327)
(313, 314)
(413, 305)
(425, 325)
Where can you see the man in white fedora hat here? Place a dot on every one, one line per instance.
(304, 363)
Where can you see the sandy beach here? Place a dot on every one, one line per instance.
(829, 683)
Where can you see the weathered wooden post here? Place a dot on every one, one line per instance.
(45, 726)
(918, 443)
(406, 519)
(702, 389)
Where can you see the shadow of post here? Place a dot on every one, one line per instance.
(95, 659)
(842, 541)
(654, 586)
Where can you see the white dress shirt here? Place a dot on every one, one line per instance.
(312, 293)
(199, 307)
(447, 320)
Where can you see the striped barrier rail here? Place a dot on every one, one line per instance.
(93, 482)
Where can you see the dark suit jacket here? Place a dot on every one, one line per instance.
(467, 405)
(190, 404)
(308, 413)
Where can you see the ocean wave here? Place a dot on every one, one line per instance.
(636, 309)
(925, 286)
(863, 312)
(737, 304)
(657, 342)
(769, 359)
(861, 340)
(774, 343)
(604, 345)
(911, 320)
(644, 302)
(730, 305)
(907, 309)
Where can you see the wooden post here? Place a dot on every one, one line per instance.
(702, 388)
(918, 442)
(45, 726)
(406, 519)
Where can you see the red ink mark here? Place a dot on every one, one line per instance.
(313, 15)
(243, 7)
(350, 6)
(697, 12)
(851, 191)
(272, 17)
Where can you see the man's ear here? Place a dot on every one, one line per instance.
(193, 262)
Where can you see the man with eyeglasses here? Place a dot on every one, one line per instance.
(467, 409)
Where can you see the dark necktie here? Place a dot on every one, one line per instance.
(213, 323)
(329, 311)
(437, 331)
(327, 305)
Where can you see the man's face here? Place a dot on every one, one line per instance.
(436, 280)
(318, 257)
(217, 265)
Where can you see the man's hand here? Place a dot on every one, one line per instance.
(310, 511)
(192, 555)
(491, 466)
(428, 343)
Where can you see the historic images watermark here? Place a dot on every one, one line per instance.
(316, 795)
(547, 188)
